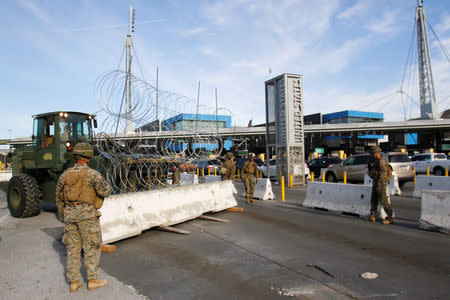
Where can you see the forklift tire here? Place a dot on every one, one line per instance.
(23, 196)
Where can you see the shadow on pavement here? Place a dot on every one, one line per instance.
(57, 234)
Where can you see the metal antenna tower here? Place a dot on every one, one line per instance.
(427, 96)
(128, 90)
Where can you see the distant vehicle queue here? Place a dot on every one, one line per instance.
(354, 166)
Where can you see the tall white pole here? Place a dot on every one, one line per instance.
(428, 108)
(129, 106)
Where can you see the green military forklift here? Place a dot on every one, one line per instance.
(37, 166)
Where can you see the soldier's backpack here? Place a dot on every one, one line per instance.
(76, 189)
(389, 172)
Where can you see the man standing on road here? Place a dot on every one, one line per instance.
(249, 173)
(79, 194)
(378, 171)
(228, 169)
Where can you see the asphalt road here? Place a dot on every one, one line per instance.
(277, 250)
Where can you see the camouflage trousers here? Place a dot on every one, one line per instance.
(380, 195)
(84, 235)
(249, 182)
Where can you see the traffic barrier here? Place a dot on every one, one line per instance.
(263, 190)
(188, 179)
(393, 187)
(339, 197)
(5, 176)
(212, 178)
(432, 183)
(435, 211)
(127, 215)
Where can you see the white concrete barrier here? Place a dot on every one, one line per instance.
(5, 176)
(349, 198)
(263, 190)
(129, 214)
(423, 182)
(212, 178)
(188, 179)
(435, 211)
(393, 187)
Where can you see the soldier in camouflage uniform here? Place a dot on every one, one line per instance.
(249, 173)
(79, 193)
(378, 172)
(228, 169)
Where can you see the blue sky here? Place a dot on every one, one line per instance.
(350, 53)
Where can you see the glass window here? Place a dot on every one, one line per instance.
(65, 130)
(361, 160)
(43, 132)
(38, 124)
(440, 156)
(75, 128)
(398, 158)
(349, 161)
(315, 162)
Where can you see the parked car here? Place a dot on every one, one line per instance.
(356, 167)
(240, 161)
(401, 165)
(273, 169)
(210, 164)
(317, 164)
(437, 161)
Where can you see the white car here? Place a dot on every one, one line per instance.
(272, 166)
(437, 163)
(273, 169)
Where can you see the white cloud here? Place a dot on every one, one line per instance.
(444, 26)
(208, 51)
(35, 10)
(194, 31)
(359, 8)
(386, 24)
(337, 59)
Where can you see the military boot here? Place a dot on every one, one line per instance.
(388, 220)
(371, 218)
(74, 286)
(247, 199)
(251, 199)
(96, 283)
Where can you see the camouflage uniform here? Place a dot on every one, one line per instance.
(230, 170)
(249, 173)
(82, 226)
(378, 172)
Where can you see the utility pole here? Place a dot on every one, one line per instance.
(428, 108)
(128, 45)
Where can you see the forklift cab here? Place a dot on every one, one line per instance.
(56, 133)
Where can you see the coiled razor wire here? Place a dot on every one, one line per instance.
(132, 162)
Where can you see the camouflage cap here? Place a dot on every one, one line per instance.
(251, 155)
(374, 149)
(229, 155)
(83, 149)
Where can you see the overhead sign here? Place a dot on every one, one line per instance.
(319, 150)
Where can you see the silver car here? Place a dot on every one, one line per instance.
(356, 167)
(401, 165)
